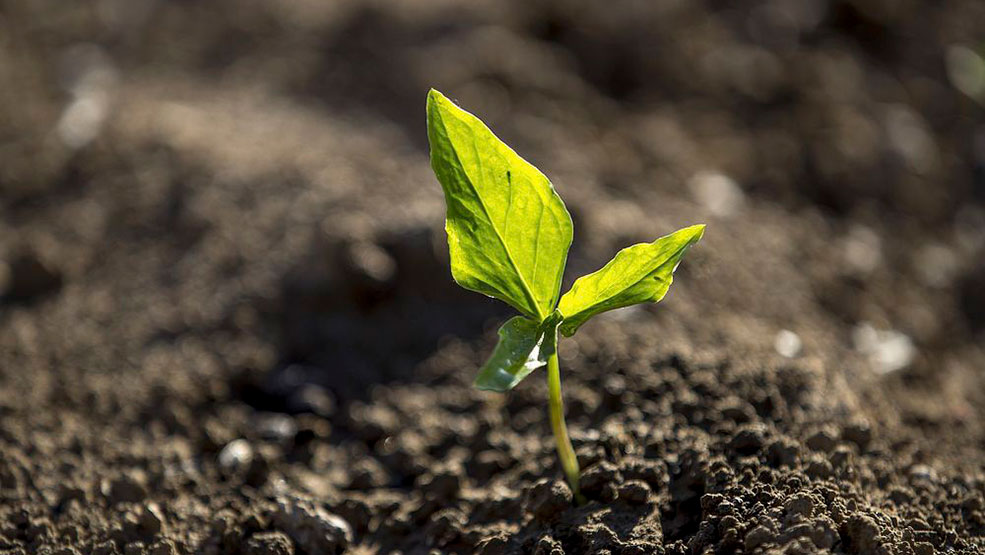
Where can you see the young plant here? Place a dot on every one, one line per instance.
(508, 238)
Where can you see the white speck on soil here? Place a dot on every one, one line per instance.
(236, 454)
(936, 265)
(90, 78)
(717, 192)
(275, 426)
(862, 249)
(788, 344)
(887, 350)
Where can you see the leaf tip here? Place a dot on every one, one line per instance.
(433, 97)
(436, 100)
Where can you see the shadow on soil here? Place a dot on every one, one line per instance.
(357, 314)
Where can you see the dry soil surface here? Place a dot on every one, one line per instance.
(227, 323)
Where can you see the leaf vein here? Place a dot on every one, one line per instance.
(509, 256)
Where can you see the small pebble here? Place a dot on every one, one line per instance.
(369, 262)
(717, 192)
(787, 344)
(887, 350)
(277, 427)
(922, 472)
(236, 455)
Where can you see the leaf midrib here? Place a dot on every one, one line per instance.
(509, 256)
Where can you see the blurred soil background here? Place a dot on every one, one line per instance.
(227, 324)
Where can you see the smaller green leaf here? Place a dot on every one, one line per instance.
(637, 274)
(524, 346)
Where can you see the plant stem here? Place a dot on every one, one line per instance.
(569, 462)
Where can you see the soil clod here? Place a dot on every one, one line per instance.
(547, 499)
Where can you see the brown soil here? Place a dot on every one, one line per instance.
(227, 323)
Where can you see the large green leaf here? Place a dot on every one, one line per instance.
(638, 274)
(524, 346)
(508, 230)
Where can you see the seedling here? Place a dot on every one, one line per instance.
(508, 238)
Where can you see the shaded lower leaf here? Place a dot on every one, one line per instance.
(524, 346)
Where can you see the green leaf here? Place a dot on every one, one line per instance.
(524, 346)
(638, 274)
(508, 230)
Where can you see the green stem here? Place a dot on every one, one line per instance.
(566, 453)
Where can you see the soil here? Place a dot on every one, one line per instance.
(227, 323)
